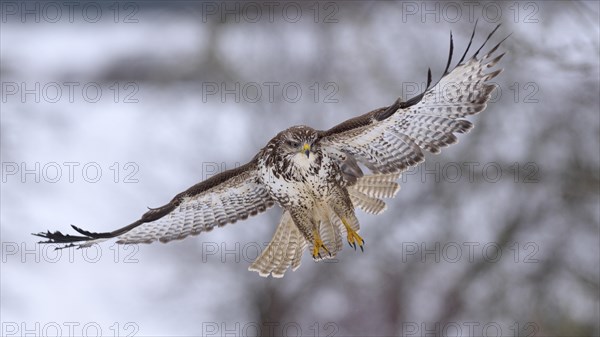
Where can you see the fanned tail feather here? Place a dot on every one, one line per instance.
(378, 185)
(366, 203)
(284, 250)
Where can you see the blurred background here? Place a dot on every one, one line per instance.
(112, 107)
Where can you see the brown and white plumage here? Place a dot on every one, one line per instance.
(286, 248)
(315, 175)
(224, 198)
(233, 199)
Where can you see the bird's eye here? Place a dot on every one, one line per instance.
(292, 143)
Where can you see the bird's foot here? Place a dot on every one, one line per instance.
(317, 245)
(353, 237)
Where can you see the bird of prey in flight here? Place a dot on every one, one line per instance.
(314, 175)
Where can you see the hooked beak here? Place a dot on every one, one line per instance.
(306, 149)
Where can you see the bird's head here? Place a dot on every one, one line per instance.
(298, 144)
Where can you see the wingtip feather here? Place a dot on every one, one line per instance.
(486, 40)
(449, 54)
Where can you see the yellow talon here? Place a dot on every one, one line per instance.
(317, 245)
(353, 237)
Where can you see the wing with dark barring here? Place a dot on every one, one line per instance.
(393, 138)
(225, 198)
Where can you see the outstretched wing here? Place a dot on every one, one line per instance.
(393, 138)
(224, 198)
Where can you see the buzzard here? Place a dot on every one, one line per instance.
(316, 176)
